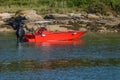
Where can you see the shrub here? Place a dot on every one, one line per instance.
(97, 8)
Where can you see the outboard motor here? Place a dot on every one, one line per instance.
(20, 34)
(17, 24)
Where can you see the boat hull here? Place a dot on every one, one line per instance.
(53, 36)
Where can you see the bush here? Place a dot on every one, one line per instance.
(117, 9)
(97, 8)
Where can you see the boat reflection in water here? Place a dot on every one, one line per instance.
(54, 43)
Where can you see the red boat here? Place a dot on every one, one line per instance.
(43, 35)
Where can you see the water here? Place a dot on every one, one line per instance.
(94, 57)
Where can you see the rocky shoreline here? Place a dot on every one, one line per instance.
(71, 21)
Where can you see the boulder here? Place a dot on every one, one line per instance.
(2, 22)
(56, 16)
(57, 28)
(5, 15)
(30, 15)
(92, 16)
(6, 28)
(77, 16)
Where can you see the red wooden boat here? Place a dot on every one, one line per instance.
(43, 35)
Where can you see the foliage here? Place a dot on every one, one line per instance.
(59, 5)
(97, 8)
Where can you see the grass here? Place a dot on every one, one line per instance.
(60, 6)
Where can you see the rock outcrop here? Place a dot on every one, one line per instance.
(91, 22)
(81, 21)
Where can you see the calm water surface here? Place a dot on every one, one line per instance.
(94, 57)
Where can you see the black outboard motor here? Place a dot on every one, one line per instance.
(18, 26)
(20, 33)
